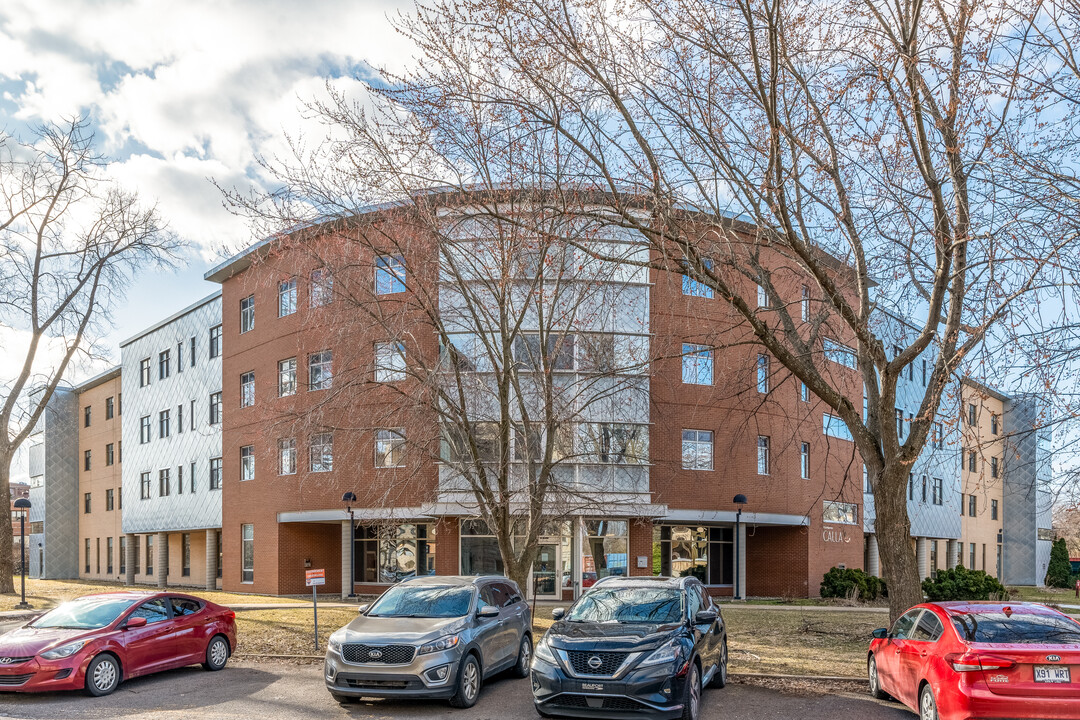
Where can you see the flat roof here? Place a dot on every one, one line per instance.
(986, 389)
(157, 326)
(111, 373)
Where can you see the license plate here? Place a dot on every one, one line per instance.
(594, 687)
(1052, 674)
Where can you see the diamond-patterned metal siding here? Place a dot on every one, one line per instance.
(1024, 496)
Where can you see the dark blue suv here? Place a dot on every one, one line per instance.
(632, 647)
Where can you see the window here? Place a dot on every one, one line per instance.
(286, 297)
(993, 509)
(247, 462)
(389, 448)
(247, 315)
(762, 455)
(924, 372)
(192, 416)
(899, 424)
(185, 554)
(220, 553)
(389, 362)
(618, 443)
(322, 287)
(389, 274)
(164, 485)
(804, 461)
(86, 460)
(693, 288)
(144, 429)
(215, 475)
(247, 389)
(840, 353)
(973, 462)
(109, 501)
(929, 628)
(762, 297)
(763, 374)
(971, 415)
(247, 553)
(108, 555)
(179, 357)
(86, 416)
(973, 506)
(971, 556)
(705, 552)
(387, 553)
(939, 435)
(110, 454)
(697, 364)
(192, 476)
(868, 487)
(924, 488)
(697, 449)
(840, 512)
(835, 427)
(120, 498)
(123, 555)
(149, 554)
(179, 418)
(144, 486)
(86, 548)
(144, 372)
(286, 377)
(804, 391)
(805, 304)
(215, 341)
(938, 492)
(320, 371)
(559, 351)
(993, 424)
(163, 424)
(110, 408)
(179, 479)
(86, 503)
(215, 408)
(191, 352)
(993, 467)
(287, 456)
(163, 364)
(322, 452)
(911, 486)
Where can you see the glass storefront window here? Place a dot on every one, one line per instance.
(707, 553)
(392, 553)
(605, 551)
(479, 550)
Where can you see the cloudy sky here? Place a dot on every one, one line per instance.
(179, 93)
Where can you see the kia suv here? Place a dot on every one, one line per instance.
(432, 637)
(632, 647)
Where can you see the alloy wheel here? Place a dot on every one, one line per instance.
(471, 684)
(927, 708)
(695, 692)
(526, 654)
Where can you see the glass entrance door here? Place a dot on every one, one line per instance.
(546, 571)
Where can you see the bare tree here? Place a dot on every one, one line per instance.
(69, 241)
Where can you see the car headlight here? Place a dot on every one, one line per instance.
(334, 644)
(670, 653)
(64, 650)
(443, 643)
(543, 652)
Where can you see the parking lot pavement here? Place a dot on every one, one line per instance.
(272, 691)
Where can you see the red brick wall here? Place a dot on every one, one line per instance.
(776, 561)
(297, 542)
(640, 545)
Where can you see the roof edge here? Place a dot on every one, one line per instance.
(175, 316)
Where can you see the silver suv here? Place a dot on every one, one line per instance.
(432, 637)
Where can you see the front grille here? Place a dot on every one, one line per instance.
(598, 703)
(358, 653)
(13, 680)
(6, 661)
(609, 662)
(367, 684)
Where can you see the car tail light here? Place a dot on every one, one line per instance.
(230, 614)
(970, 662)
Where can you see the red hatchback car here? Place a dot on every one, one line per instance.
(96, 641)
(960, 660)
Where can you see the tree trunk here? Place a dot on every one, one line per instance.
(893, 529)
(7, 564)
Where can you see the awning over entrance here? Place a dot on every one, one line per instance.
(613, 509)
(360, 514)
(728, 516)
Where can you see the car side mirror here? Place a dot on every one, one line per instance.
(487, 611)
(135, 622)
(881, 633)
(363, 608)
(558, 613)
(705, 617)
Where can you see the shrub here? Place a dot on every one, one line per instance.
(1059, 570)
(851, 583)
(962, 584)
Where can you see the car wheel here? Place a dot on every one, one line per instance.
(102, 675)
(468, 684)
(875, 682)
(524, 661)
(927, 704)
(692, 696)
(719, 678)
(343, 699)
(217, 653)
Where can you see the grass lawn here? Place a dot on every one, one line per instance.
(286, 632)
(1050, 596)
(44, 594)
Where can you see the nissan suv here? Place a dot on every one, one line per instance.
(432, 637)
(632, 647)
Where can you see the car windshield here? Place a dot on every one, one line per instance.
(1017, 628)
(85, 613)
(440, 601)
(628, 605)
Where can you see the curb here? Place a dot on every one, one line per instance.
(820, 678)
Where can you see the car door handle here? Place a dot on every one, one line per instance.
(922, 654)
(897, 651)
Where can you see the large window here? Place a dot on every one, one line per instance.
(391, 553)
(697, 364)
(287, 297)
(697, 450)
(389, 448)
(840, 354)
(558, 349)
(215, 475)
(605, 548)
(389, 274)
(834, 427)
(692, 287)
(247, 553)
(389, 362)
(763, 374)
(479, 549)
(322, 452)
(320, 370)
(247, 462)
(286, 377)
(618, 443)
(287, 456)
(247, 389)
(841, 513)
(215, 341)
(706, 553)
(247, 315)
(322, 287)
(762, 455)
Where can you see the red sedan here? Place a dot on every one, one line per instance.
(960, 660)
(96, 641)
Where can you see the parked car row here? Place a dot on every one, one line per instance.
(628, 647)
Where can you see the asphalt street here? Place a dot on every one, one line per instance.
(275, 691)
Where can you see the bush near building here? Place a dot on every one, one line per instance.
(852, 583)
(962, 584)
(1059, 571)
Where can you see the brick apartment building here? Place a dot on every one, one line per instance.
(102, 543)
(719, 418)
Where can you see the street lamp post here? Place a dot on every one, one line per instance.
(349, 498)
(739, 500)
(24, 505)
